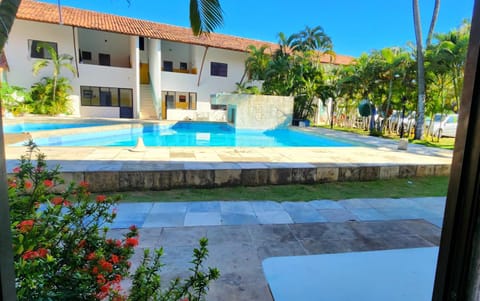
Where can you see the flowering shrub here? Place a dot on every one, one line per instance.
(61, 249)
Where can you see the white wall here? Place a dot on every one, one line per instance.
(18, 55)
(100, 112)
(116, 45)
(177, 53)
(208, 84)
(20, 63)
(216, 84)
(18, 52)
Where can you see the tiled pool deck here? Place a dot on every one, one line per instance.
(240, 242)
(216, 213)
(119, 168)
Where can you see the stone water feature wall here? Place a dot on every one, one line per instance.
(256, 111)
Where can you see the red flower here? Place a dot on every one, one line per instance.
(105, 288)
(48, 183)
(101, 198)
(28, 184)
(91, 256)
(42, 252)
(133, 228)
(106, 266)
(118, 278)
(58, 200)
(131, 242)
(82, 244)
(12, 185)
(95, 270)
(101, 279)
(30, 255)
(114, 259)
(83, 184)
(17, 169)
(26, 225)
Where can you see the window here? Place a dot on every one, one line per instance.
(141, 43)
(38, 49)
(180, 100)
(86, 55)
(218, 69)
(104, 59)
(106, 97)
(168, 66)
(218, 107)
(183, 66)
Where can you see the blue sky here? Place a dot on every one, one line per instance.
(354, 26)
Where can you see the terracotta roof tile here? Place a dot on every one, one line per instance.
(48, 13)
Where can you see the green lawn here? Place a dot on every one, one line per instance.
(444, 142)
(395, 188)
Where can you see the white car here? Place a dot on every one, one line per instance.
(446, 127)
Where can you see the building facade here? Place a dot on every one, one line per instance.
(129, 68)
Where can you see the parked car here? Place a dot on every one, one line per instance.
(446, 127)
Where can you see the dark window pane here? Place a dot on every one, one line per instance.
(218, 69)
(168, 66)
(38, 49)
(104, 59)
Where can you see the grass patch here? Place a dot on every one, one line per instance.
(444, 142)
(395, 188)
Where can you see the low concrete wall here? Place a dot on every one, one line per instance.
(107, 181)
(258, 111)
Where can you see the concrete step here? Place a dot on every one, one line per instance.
(147, 108)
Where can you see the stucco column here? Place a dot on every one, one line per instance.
(135, 60)
(155, 70)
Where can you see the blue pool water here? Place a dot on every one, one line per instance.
(33, 127)
(192, 134)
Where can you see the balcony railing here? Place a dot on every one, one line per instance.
(187, 71)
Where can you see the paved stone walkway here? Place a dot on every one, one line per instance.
(216, 213)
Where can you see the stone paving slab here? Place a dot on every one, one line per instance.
(238, 250)
(180, 214)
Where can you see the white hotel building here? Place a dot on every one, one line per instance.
(130, 68)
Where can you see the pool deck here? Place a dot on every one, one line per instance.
(157, 168)
(238, 245)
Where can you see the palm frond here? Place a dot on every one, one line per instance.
(205, 16)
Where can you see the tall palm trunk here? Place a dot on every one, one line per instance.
(420, 62)
(420, 72)
(436, 9)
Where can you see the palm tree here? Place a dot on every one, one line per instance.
(421, 64)
(394, 61)
(256, 63)
(57, 61)
(312, 39)
(205, 16)
(452, 49)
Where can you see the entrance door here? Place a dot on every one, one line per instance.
(144, 79)
(169, 103)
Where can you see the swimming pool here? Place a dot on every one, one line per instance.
(34, 127)
(193, 134)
